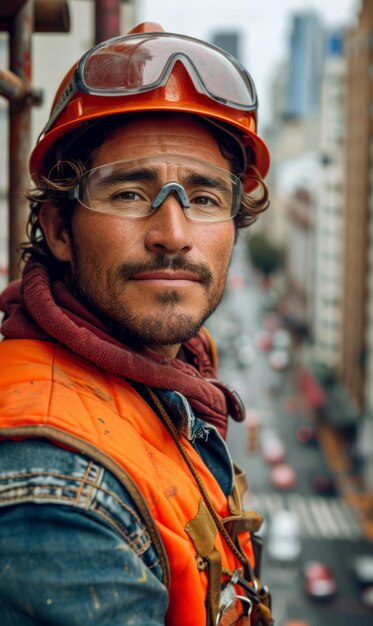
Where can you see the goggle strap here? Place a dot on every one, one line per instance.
(67, 95)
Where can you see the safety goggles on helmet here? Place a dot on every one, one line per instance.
(138, 63)
(136, 188)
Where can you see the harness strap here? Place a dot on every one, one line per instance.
(251, 522)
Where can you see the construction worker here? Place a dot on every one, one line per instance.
(119, 503)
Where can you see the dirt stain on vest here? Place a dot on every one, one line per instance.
(99, 393)
(170, 492)
(64, 378)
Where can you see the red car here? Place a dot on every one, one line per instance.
(283, 476)
(305, 433)
(319, 582)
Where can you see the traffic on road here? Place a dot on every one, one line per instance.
(316, 559)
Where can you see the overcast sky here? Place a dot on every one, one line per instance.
(264, 24)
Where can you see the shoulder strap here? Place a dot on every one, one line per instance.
(261, 615)
(211, 346)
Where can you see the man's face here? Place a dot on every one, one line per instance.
(158, 277)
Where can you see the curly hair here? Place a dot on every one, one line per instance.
(65, 171)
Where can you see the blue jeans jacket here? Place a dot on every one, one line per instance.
(73, 554)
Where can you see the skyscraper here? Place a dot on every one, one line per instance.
(329, 214)
(307, 52)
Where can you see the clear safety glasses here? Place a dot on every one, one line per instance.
(136, 188)
(138, 63)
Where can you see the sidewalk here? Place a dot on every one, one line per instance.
(349, 485)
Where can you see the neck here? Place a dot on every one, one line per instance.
(169, 352)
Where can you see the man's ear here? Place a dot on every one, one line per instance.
(55, 232)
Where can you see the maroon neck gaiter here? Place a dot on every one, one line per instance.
(40, 307)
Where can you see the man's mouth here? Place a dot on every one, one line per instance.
(162, 271)
(164, 278)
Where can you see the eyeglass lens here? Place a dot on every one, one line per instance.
(129, 188)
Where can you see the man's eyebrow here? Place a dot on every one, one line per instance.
(122, 176)
(208, 181)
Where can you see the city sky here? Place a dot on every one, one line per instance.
(264, 24)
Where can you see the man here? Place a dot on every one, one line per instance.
(119, 501)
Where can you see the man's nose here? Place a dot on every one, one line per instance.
(169, 229)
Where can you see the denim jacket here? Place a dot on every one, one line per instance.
(74, 554)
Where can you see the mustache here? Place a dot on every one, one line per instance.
(163, 262)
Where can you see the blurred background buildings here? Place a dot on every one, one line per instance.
(321, 138)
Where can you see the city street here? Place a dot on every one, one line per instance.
(329, 529)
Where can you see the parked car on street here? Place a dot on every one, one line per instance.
(281, 339)
(273, 450)
(362, 567)
(366, 596)
(271, 321)
(283, 476)
(263, 340)
(319, 582)
(306, 433)
(324, 485)
(283, 542)
(278, 359)
(245, 352)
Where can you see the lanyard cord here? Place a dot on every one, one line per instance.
(175, 435)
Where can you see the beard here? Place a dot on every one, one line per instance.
(104, 294)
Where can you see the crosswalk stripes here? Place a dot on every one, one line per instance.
(319, 518)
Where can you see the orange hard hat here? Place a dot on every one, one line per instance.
(120, 76)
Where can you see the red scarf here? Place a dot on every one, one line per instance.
(40, 307)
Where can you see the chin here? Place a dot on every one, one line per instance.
(167, 330)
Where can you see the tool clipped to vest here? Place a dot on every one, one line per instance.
(235, 610)
(235, 598)
(242, 528)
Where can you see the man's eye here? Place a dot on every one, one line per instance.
(126, 195)
(205, 201)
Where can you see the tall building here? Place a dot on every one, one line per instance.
(307, 46)
(329, 210)
(357, 330)
(300, 256)
(229, 41)
(293, 140)
(358, 199)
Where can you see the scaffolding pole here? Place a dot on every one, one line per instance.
(20, 18)
(20, 32)
(107, 19)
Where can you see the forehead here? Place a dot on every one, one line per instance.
(183, 135)
(161, 167)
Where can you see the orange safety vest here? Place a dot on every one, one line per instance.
(47, 391)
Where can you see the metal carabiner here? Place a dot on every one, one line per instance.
(224, 618)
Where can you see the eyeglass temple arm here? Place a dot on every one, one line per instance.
(73, 194)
